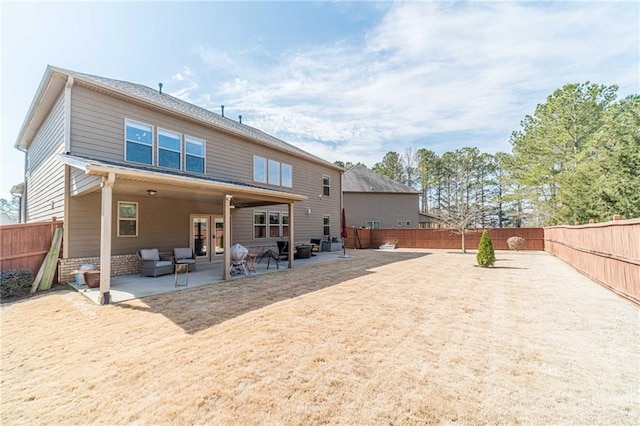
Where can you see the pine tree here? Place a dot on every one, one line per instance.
(486, 255)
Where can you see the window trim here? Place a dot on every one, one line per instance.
(325, 225)
(204, 154)
(326, 188)
(136, 219)
(371, 224)
(276, 166)
(289, 183)
(398, 223)
(180, 144)
(257, 157)
(265, 225)
(127, 121)
(277, 225)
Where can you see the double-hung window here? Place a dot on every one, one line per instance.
(169, 149)
(127, 219)
(274, 224)
(194, 154)
(139, 142)
(285, 225)
(259, 224)
(326, 185)
(326, 225)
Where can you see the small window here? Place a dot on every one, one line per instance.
(138, 142)
(326, 222)
(274, 172)
(399, 223)
(285, 225)
(373, 224)
(408, 223)
(287, 175)
(274, 224)
(326, 185)
(259, 225)
(194, 154)
(127, 219)
(169, 149)
(259, 169)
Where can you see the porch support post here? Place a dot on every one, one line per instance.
(226, 244)
(292, 240)
(105, 239)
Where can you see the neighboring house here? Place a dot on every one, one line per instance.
(372, 200)
(129, 167)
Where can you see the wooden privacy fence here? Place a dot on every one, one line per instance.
(442, 238)
(26, 245)
(606, 252)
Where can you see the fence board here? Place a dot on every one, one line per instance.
(24, 246)
(442, 238)
(606, 252)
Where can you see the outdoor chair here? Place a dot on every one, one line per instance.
(283, 250)
(153, 264)
(185, 256)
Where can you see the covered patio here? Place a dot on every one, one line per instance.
(128, 287)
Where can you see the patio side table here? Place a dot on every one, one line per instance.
(181, 268)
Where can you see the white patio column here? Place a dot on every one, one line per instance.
(105, 239)
(292, 240)
(226, 244)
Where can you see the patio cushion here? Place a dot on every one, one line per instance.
(182, 253)
(189, 261)
(149, 254)
(162, 263)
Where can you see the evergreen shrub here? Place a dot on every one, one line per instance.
(486, 255)
(15, 282)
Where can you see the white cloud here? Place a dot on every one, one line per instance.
(427, 70)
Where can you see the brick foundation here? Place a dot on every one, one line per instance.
(124, 264)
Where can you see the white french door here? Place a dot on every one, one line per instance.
(206, 233)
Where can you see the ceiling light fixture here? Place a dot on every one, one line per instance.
(151, 192)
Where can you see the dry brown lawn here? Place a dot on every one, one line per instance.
(393, 337)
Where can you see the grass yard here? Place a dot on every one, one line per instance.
(384, 337)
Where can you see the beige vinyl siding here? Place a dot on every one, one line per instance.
(45, 174)
(80, 182)
(387, 208)
(98, 132)
(307, 180)
(162, 231)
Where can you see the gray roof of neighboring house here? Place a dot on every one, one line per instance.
(164, 100)
(361, 179)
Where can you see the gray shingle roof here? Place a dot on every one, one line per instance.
(153, 96)
(361, 179)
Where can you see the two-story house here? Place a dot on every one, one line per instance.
(372, 200)
(129, 167)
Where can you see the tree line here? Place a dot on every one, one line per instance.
(576, 158)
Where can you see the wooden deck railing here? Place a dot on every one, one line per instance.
(26, 245)
(606, 252)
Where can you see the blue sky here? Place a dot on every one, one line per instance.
(346, 81)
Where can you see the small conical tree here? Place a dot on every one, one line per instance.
(486, 256)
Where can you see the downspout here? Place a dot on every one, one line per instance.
(67, 149)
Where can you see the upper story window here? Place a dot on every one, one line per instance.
(287, 175)
(139, 142)
(259, 169)
(274, 172)
(169, 149)
(194, 157)
(326, 185)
